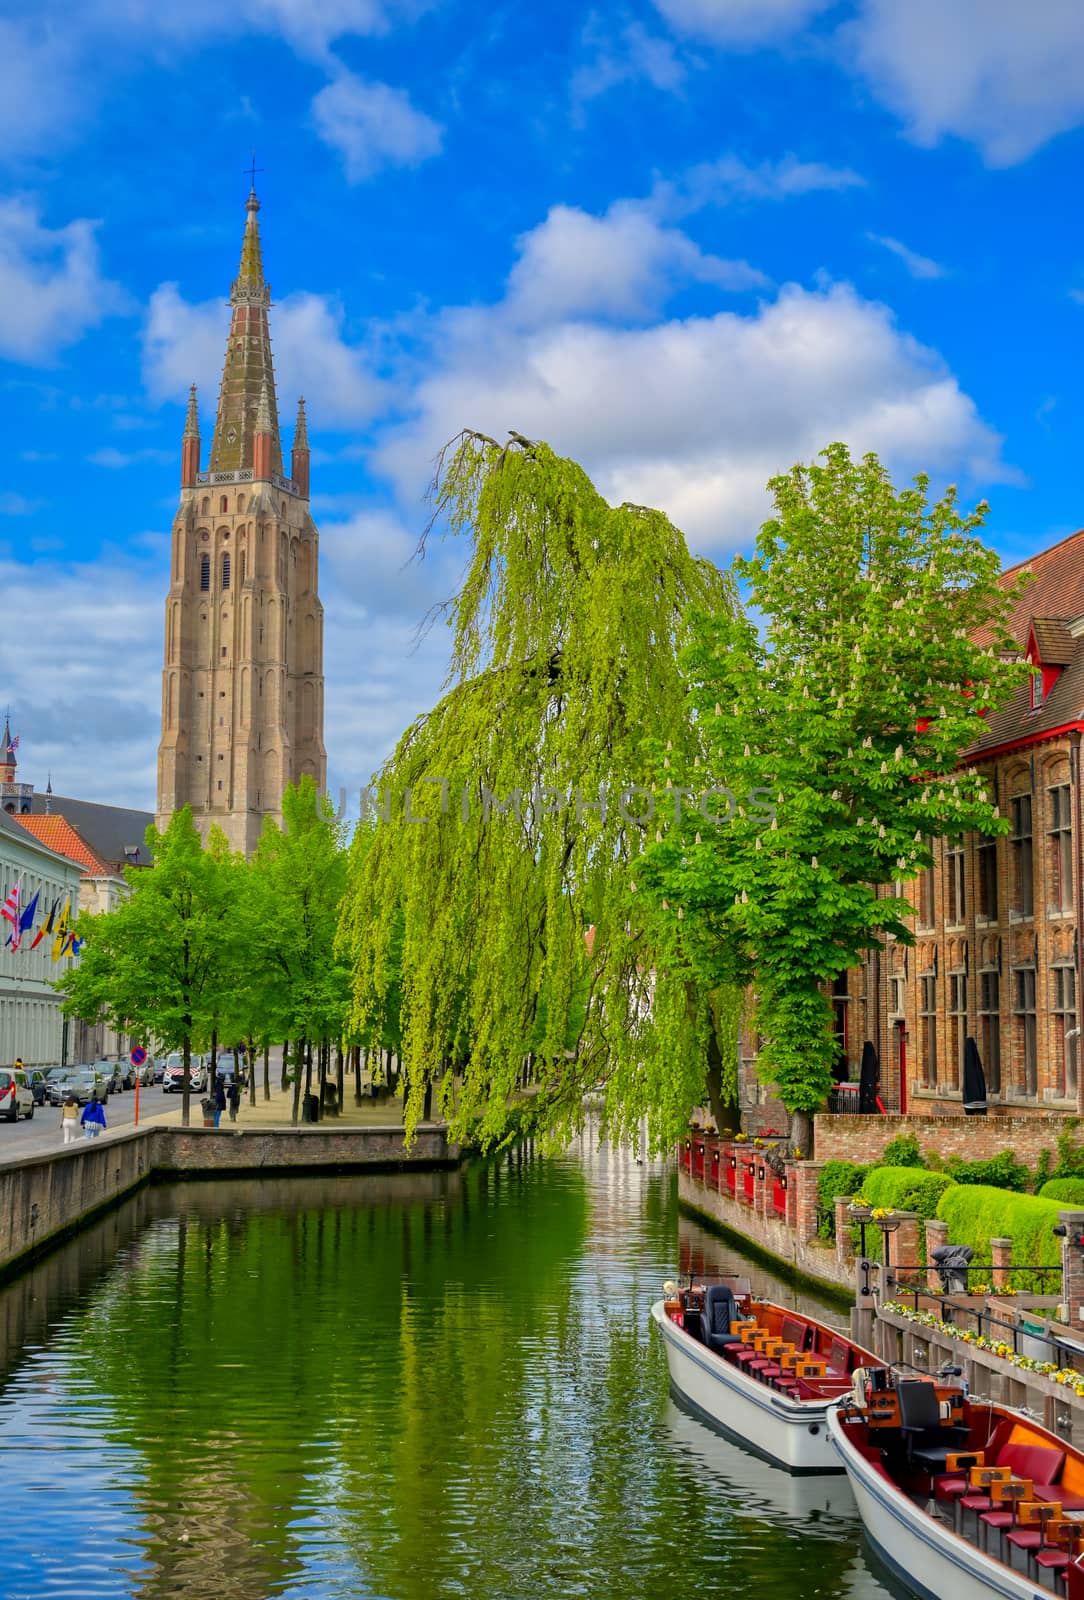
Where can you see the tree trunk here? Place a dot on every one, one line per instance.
(283, 1084)
(267, 1072)
(427, 1108)
(725, 1111)
(321, 1072)
(308, 1068)
(357, 1075)
(297, 1082)
(212, 1077)
(250, 1063)
(339, 1069)
(801, 1132)
(186, 1082)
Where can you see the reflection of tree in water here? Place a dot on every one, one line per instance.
(434, 1386)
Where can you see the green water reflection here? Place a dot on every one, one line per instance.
(425, 1385)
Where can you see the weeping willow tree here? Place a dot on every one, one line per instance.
(491, 900)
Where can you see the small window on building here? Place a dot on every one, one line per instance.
(957, 1021)
(1036, 689)
(1024, 1011)
(223, 652)
(986, 863)
(226, 570)
(955, 862)
(990, 1028)
(240, 502)
(927, 1022)
(1023, 864)
(220, 783)
(1066, 1033)
(895, 997)
(223, 503)
(1059, 848)
(205, 573)
(927, 897)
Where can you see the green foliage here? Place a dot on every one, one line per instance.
(976, 1214)
(903, 1151)
(566, 634)
(906, 1189)
(1070, 1162)
(836, 1177)
(853, 682)
(1002, 1171)
(1042, 1170)
(1069, 1191)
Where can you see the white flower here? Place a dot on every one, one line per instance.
(814, 864)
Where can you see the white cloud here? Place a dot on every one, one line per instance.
(51, 287)
(184, 343)
(739, 22)
(1005, 77)
(373, 126)
(626, 54)
(623, 264)
(16, 505)
(693, 415)
(115, 460)
(729, 178)
(918, 266)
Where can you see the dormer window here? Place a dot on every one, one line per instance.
(1048, 651)
(1036, 685)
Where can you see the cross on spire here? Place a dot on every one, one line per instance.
(252, 171)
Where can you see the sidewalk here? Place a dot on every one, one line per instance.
(276, 1112)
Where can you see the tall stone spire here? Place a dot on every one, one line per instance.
(248, 365)
(190, 443)
(299, 460)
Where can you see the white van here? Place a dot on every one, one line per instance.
(16, 1095)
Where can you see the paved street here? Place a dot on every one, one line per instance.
(42, 1132)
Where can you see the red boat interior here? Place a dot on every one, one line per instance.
(995, 1479)
(781, 1349)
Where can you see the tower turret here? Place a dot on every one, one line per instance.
(299, 458)
(248, 368)
(263, 439)
(190, 443)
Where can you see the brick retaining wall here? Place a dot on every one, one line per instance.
(772, 1234)
(45, 1198)
(863, 1139)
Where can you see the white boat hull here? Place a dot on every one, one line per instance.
(791, 1433)
(925, 1555)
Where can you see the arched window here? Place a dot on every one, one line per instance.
(205, 572)
(205, 504)
(240, 502)
(241, 573)
(226, 570)
(223, 503)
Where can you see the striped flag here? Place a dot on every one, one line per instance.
(60, 941)
(10, 911)
(46, 927)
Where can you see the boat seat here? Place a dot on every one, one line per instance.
(717, 1316)
(929, 1442)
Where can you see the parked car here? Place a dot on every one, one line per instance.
(55, 1077)
(35, 1077)
(158, 1068)
(226, 1066)
(82, 1082)
(16, 1096)
(116, 1071)
(145, 1074)
(173, 1081)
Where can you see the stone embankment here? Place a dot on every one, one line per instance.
(45, 1198)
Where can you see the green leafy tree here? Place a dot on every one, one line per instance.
(836, 723)
(160, 963)
(299, 874)
(508, 914)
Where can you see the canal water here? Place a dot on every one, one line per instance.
(429, 1386)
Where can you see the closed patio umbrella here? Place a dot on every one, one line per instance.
(867, 1081)
(974, 1081)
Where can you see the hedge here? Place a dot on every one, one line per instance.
(901, 1189)
(1070, 1191)
(1002, 1171)
(836, 1177)
(976, 1214)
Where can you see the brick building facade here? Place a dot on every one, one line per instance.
(998, 920)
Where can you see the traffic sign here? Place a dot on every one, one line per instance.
(139, 1055)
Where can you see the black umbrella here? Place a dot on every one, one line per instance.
(867, 1081)
(974, 1081)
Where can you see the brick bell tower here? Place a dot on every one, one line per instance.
(243, 680)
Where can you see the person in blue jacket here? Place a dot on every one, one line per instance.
(219, 1098)
(93, 1118)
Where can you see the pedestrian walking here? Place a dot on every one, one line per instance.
(219, 1098)
(69, 1118)
(93, 1118)
(233, 1098)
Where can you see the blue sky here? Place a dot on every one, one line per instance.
(687, 241)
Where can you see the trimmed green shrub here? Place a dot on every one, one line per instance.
(976, 1214)
(1070, 1162)
(900, 1189)
(836, 1177)
(903, 1151)
(1002, 1171)
(1069, 1191)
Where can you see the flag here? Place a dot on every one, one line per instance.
(14, 745)
(60, 940)
(26, 922)
(46, 927)
(10, 910)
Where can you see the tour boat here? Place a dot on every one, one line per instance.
(961, 1497)
(762, 1374)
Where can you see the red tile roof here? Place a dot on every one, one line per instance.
(58, 834)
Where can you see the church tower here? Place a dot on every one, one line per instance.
(243, 683)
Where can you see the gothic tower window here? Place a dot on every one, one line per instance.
(223, 502)
(205, 572)
(240, 502)
(241, 573)
(226, 570)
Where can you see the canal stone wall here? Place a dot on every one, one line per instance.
(771, 1234)
(43, 1199)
